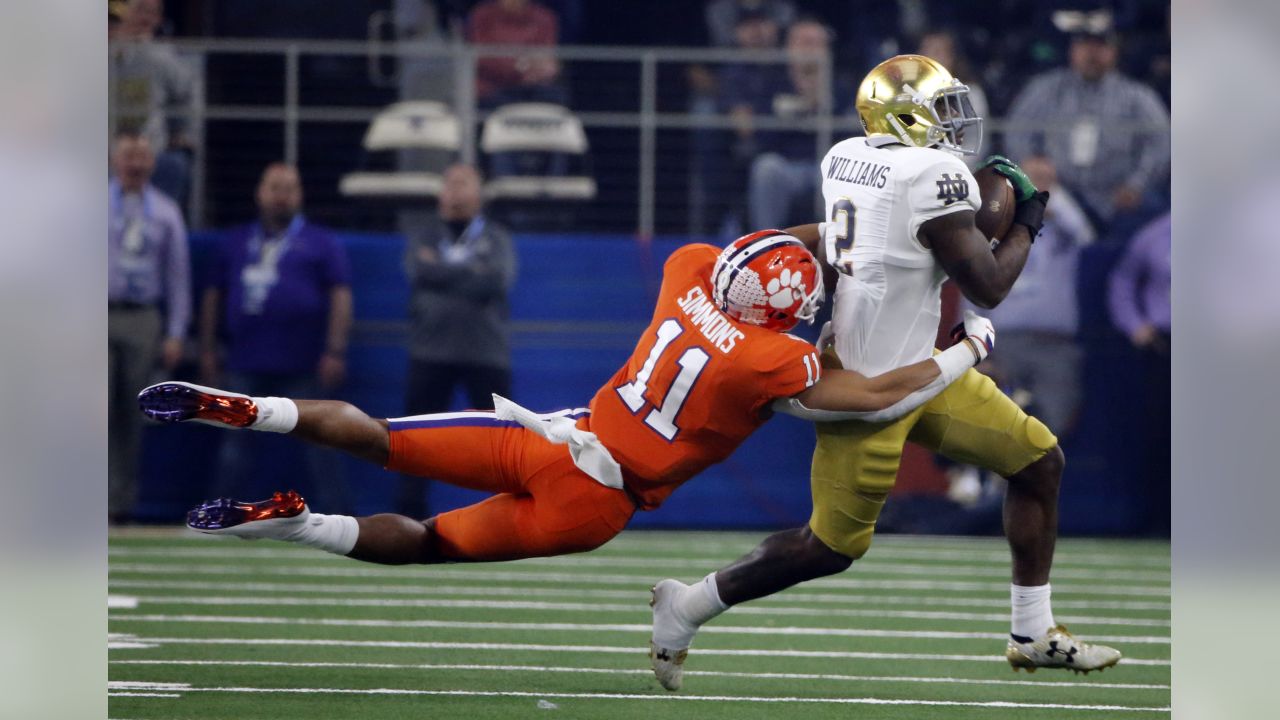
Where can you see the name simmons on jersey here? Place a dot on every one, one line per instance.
(858, 172)
(704, 315)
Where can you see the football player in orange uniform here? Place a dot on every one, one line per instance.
(709, 369)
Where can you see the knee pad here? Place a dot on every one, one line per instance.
(1040, 436)
(851, 544)
(852, 476)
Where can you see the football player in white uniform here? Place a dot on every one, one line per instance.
(900, 208)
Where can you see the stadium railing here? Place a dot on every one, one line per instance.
(312, 101)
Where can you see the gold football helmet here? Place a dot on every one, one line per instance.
(914, 100)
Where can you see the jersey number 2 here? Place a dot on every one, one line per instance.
(692, 361)
(843, 215)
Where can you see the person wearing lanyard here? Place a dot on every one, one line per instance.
(460, 266)
(147, 270)
(280, 293)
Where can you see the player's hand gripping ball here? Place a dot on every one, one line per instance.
(995, 216)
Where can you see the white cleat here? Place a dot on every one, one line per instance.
(672, 636)
(1059, 649)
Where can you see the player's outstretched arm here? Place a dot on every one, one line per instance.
(848, 395)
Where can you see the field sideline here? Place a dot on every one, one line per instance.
(216, 629)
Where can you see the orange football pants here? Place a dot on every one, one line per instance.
(544, 504)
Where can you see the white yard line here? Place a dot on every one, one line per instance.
(607, 649)
(679, 698)
(140, 685)
(1071, 551)
(437, 573)
(126, 641)
(598, 627)
(640, 671)
(486, 590)
(637, 607)
(995, 569)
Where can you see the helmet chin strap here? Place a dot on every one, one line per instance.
(900, 129)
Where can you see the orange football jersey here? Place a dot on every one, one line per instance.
(697, 384)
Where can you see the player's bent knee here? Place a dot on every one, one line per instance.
(1043, 475)
(824, 559)
(855, 547)
(1048, 467)
(848, 545)
(429, 546)
(1056, 460)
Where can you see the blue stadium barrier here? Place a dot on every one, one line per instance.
(578, 307)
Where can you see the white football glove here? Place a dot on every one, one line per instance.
(826, 336)
(978, 332)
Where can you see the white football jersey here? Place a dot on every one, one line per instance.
(888, 299)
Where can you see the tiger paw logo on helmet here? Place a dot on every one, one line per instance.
(785, 289)
(764, 279)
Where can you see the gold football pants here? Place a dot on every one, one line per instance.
(855, 463)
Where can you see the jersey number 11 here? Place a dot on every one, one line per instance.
(662, 419)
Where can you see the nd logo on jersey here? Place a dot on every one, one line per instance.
(952, 189)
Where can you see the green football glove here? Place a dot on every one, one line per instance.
(1031, 200)
(1023, 188)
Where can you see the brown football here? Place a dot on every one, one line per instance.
(996, 214)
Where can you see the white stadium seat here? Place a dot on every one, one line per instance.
(542, 128)
(415, 125)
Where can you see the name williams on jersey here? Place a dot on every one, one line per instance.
(858, 172)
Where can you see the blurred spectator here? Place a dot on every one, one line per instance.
(116, 10)
(531, 77)
(147, 269)
(281, 288)
(942, 45)
(147, 79)
(724, 18)
(719, 186)
(1107, 135)
(1039, 318)
(461, 267)
(873, 31)
(784, 168)
(1140, 305)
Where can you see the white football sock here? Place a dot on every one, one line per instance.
(332, 533)
(1032, 611)
(275, 414)
(700, 602)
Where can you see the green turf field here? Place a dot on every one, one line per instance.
(214, 628)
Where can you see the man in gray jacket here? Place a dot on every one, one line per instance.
(460, 266)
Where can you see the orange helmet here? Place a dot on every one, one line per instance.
(767, 278)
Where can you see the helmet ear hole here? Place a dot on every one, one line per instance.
(907, 119)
